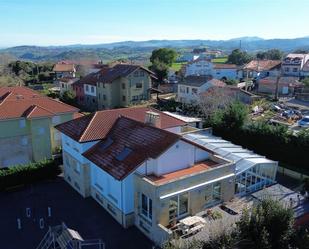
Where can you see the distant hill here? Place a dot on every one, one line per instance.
(141, 50)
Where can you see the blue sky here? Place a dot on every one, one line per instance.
(62, 22)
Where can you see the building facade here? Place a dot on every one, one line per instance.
(146, 173)
(27, 122)
(293, 65)
(119, 86)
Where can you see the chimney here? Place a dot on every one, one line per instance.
(153, 119)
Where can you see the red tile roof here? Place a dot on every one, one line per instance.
(262, 65)
(17, 102)
(127, 145)
(176, 175)
(63, 67)
(224, 66)
(109, 74)
(96, 125)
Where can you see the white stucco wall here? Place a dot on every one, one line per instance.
(120, 193)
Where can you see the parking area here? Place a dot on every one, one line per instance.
(66, 205)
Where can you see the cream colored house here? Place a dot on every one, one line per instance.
(145, 168)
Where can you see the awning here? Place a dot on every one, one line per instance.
(195, 186)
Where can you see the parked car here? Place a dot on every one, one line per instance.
(304, 122)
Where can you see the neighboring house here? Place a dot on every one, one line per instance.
(286, 86)
(27, 121)
(190, 88)
(261, 69)
(225, 71)
(199, 67)
(202, 67)
(146, 176)
(65, 84)
(120, 85)
(64, 70)
(293, 65)
(241, 94)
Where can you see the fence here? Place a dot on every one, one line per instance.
(291, 173)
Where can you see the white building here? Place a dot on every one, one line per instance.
(191, 87)
(293, 65)
(202, 67)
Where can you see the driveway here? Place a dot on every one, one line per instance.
(83, 215)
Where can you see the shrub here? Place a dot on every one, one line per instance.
(29, 173)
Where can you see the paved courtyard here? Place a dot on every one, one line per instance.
(83, 215)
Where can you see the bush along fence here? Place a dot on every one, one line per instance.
(29, 173)
(273, 143)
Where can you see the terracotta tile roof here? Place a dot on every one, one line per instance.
(16, 102)
(215, 82)
(176, 175)
(224, 66)
(63, 67)
(128, 144)
(291, 81)
(96, 126)
(262, 65)
(109, 74)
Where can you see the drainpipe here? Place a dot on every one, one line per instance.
(122, 203)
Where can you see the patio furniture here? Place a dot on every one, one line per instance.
(191, 224)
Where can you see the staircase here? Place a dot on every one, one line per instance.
(61, 237)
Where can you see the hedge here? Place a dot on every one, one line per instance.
(274, 143)
(29, 173)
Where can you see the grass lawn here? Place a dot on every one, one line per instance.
(177, 65)
(219, 60)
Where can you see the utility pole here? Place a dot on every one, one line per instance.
(277, 85)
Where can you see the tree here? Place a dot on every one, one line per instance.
(239, 57)
(68, 97)
(161, 60)
(269, 226)
(306, 82)
(272, 54)
(235, 115)
(212, 102)
(163, 55)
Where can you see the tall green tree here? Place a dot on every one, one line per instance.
(272, 54)
(239, 57)
(161, 60)
(163, 55)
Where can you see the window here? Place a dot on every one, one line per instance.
(99, 95)
(194, 90)
(136, 74)
(142, 74)
(178, 206)
(22, 123)
(92, 89)
(187, 89)
(139, 85)
(87, 88)
(287, 69)
(135, 98)
(146, 207)
(123, 98)
(62, 85)
(123, 86)
(104, 97)
(295, 69)
(182, 89)
(216, 191)
(78, 168)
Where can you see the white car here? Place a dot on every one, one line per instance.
(304, 122)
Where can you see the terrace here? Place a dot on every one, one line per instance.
(198, 168)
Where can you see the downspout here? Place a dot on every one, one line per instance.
(122, 203)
